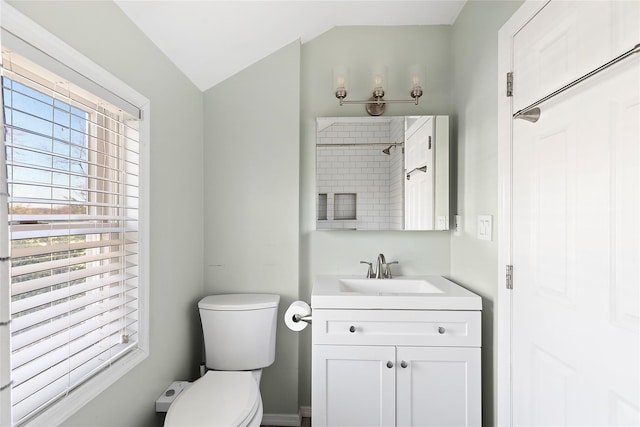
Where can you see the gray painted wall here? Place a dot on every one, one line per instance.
(474, 263)
(359, 49)
(251, 157)
(100, 31)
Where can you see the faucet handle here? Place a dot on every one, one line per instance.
(370, 273)
(387, 269)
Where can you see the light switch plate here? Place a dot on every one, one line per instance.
(484, 227)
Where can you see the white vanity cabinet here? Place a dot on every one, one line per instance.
(352, 386)
(396, 368)
(438, 386)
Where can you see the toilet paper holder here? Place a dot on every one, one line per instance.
(299, 318)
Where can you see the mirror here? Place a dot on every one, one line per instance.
(382, 173)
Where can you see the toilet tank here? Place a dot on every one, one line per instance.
(239, 330)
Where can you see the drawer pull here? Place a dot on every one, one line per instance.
(404, 364)
(352, 329)
(441, 330)
(389, 364)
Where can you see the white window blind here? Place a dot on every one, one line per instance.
(73, 181)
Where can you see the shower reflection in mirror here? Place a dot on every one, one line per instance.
(382, 173)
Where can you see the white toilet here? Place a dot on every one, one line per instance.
(240, 339)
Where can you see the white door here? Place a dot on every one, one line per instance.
(575, 219)
(353, 386)
(438, 386)
(418, 184)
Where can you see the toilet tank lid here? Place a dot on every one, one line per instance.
(238, 302)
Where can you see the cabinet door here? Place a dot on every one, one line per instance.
(353, 386)
(438, 386)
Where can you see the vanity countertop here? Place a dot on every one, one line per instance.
(400, 293)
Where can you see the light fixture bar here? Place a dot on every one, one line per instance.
(382, 101)
(375, 105)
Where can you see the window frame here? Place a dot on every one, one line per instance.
(23, 27)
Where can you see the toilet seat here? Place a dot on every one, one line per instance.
(219, 398)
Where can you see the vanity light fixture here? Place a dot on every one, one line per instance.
(375, 105)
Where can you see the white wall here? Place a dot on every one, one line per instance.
(359, 49)
(251, 157)
(475, 91)
(104, 34)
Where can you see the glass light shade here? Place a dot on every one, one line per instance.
(416, 76)
(379, 76)
(340, 77)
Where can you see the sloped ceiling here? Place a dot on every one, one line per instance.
(212, 40)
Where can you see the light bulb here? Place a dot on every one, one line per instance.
(340, 79)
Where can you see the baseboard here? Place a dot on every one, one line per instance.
(305, 411)
(285, 420)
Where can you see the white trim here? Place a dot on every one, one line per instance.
(25, 28)
(292, 420)
(56, 414)
(5, 308)
(505, 111)
(5, 305)
(305, 411)
(144, 225)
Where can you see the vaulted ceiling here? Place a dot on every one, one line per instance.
(212, 40)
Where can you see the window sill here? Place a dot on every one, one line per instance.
(60, 411)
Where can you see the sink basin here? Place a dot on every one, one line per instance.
(399, 293)
(388, 286)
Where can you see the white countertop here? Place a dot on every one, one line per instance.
(329, 293)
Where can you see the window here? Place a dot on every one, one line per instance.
(74, 165)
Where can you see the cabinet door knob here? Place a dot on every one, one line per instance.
(389, 364)
(352, 329)
(404, 364)
(441, 330)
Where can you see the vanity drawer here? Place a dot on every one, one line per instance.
(397, 327)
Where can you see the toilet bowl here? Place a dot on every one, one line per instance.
(219, 398)
(239, 338)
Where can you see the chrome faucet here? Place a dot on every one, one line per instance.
(382, 271)
(381, 266)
